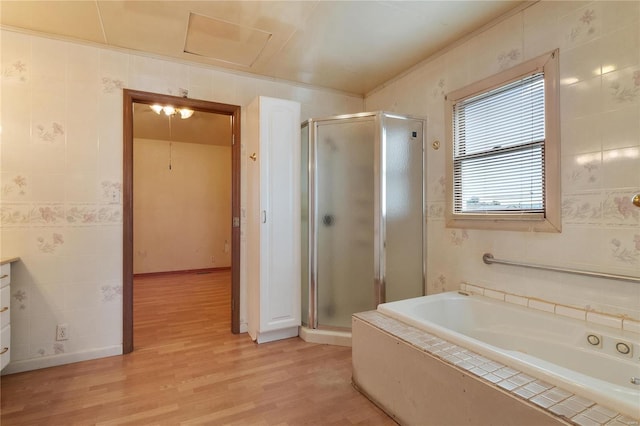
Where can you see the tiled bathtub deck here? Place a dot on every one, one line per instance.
(560, 402)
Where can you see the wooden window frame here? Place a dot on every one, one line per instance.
(552, 219)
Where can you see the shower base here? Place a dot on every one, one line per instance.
(327, 337)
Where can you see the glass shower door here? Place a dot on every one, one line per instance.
(344, 219)
(403, 207)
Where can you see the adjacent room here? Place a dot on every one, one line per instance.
(318, 212)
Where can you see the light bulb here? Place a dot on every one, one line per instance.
(185, 113)
(169, 110)
(156, 108)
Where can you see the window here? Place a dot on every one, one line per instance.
(503, 150)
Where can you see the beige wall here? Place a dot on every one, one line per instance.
(182, 215)
(61, 181)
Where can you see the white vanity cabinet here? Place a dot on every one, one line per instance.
(273, 218)
(5, 313)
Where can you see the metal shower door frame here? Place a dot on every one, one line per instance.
(379, 284)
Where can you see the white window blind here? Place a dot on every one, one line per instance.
(498, 160)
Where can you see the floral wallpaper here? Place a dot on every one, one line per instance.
(17, 185)
(627, 90)
(49, 245)
(50, 133)
(16, 70)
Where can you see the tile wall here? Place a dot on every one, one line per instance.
(61, 170)
(599, 46)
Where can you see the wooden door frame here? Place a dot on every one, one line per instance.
(134, 96)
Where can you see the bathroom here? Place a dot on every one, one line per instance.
(599, 46)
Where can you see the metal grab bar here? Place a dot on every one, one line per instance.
(489, 259)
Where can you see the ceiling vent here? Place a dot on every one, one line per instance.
(224, 41)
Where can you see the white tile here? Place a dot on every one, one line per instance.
(581, 99)
(521, 379)
(605, 411)
(535, 388)
(475, 289)
(492, 378)
(505, 372)
(542, 401)
(563, 410)
(618, 89)
(498, 295)
(541, 306)
(584, 402)
(620, 128)
(556, 394)
(615, 422)
(606, 320)
(465, 365)
(516, 300)
(567, 311)
(525, 393)
(627, 420)
(631, 325)
(597, 415)
(478, 371)
(584, 421)
(505, 384)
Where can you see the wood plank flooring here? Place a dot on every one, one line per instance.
(187, 368)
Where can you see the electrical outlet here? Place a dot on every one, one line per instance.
(62, 332)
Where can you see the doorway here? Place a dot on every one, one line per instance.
(131, 97)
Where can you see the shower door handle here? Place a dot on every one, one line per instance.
(264, 216)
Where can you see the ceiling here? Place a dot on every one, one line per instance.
(351, 46)
(202, 127)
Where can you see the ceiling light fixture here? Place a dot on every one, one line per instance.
(171, 110)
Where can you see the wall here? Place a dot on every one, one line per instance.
(182, 215)
(61, 117)
(600, 122)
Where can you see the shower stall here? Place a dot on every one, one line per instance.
(363, 228)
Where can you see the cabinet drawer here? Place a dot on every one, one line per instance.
(5, 312)
(5, 341)
(5, 274)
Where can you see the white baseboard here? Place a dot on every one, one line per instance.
(270, 336)
(60, 359)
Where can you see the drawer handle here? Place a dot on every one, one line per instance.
(4, 350)
(6, 308)
(3, 276)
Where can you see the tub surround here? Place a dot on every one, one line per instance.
(593, 361)
(469, 387)
(618, 321)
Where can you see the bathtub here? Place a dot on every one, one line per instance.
(541, 344)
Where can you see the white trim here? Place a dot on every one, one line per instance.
(271, 336)
(61, 359)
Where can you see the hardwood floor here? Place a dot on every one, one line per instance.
(187, 368)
